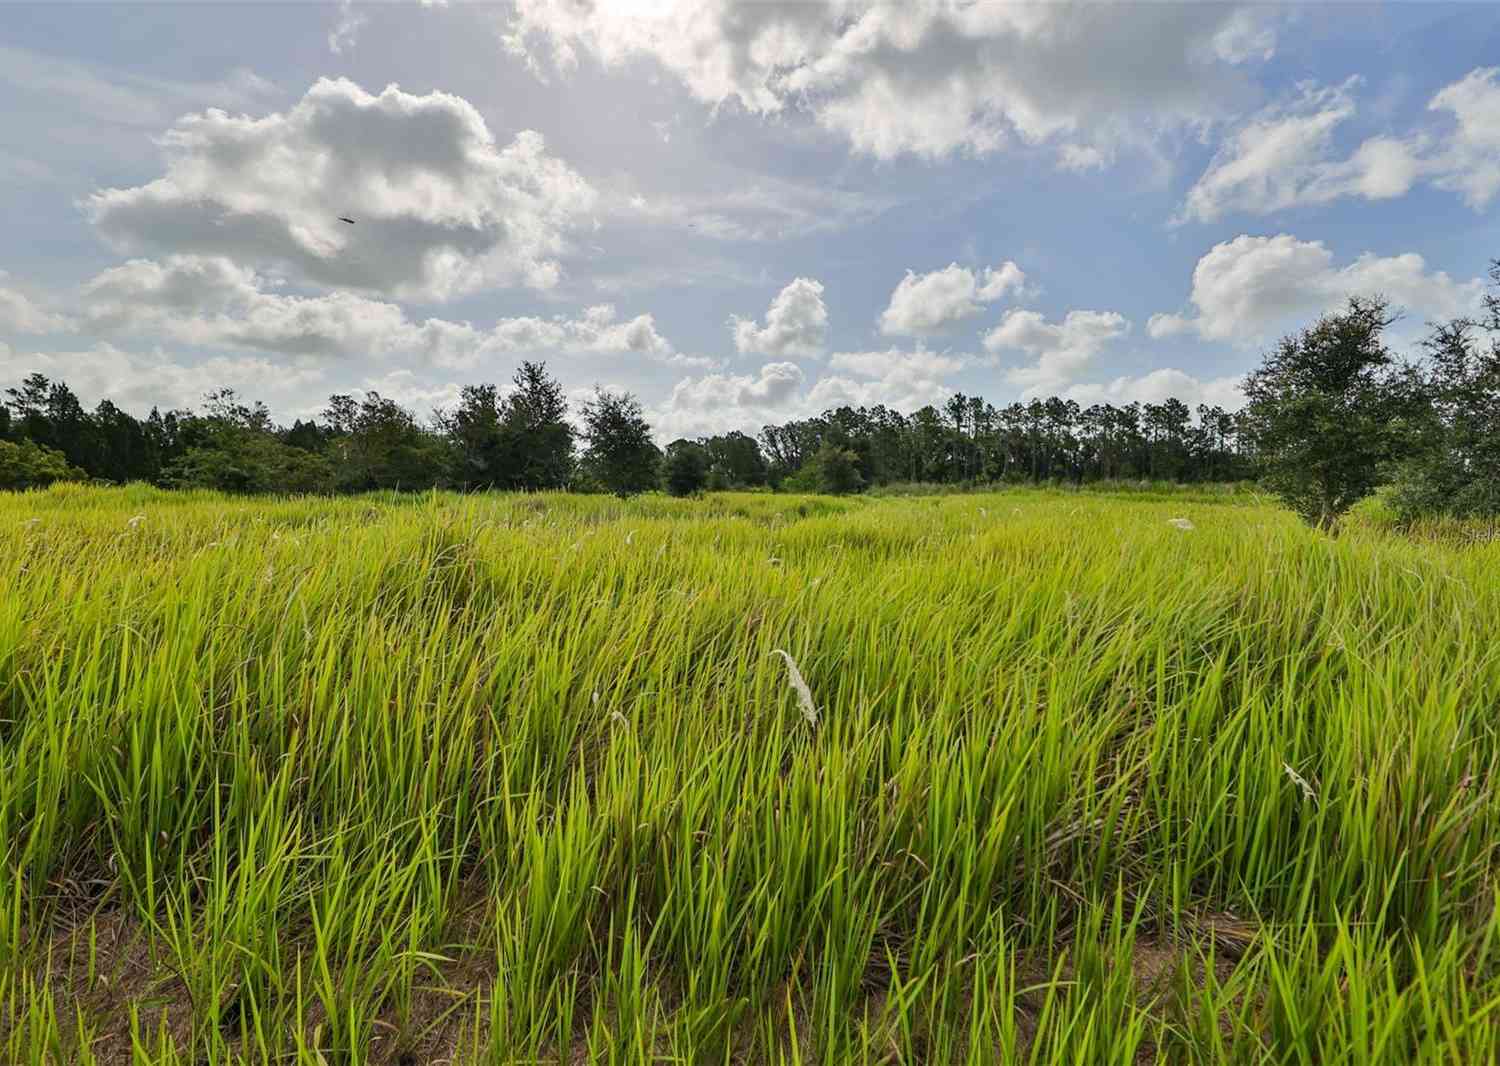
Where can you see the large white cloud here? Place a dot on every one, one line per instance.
(923, 304)
(1468, 161)
(717, 403)
(212, 301)
(1285, 156)
(19, 313)
(440, 208)
(1249, 288)
(898, 378)
(931, 77)
(1062, 350)
(796, 323)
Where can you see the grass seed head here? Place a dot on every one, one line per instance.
(1301, 782)
(804, 694)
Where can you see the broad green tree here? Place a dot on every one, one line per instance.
(1328, 408)
(685, 468)
(621, 455)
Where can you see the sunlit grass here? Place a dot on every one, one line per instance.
(519, 779)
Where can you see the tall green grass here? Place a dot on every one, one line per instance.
(523, 779)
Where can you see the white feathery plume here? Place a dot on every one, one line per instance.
(804, 694)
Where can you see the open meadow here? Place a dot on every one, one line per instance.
(1034, 776)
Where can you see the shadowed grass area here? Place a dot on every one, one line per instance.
(520, 778)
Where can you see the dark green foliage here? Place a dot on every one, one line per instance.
(48, 413)
(249, 466)
(621, 455)
(735, 460)
(519, 441)
(481, 452)
(685, 469)
(232, 448)
(304, 435)
(536, 425)
(838, 470)
(123, 447)
(1455, 468)
(378, 444)
(1328, 408)
(972, 442)
(522, 440)
(25, 464)
(366, 443)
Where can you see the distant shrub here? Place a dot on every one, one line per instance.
(837, 470)
(685, 470)
(27, 465)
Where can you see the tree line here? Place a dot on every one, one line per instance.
(969, 440)
(519, 439)
(522, 438)
(1331, 413)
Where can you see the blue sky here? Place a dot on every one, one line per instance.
(741, 212)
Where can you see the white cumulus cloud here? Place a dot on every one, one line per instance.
(440, 208)
(1469, 156)
(1247, 289)
(931, 77)
(796, 323)
(904, 380)
(1062, 350)
(212, 301)
(929, 303)
(717, 403)
(1285, 156)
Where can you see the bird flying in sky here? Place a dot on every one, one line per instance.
(345, 218)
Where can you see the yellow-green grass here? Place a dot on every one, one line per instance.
(514, 779)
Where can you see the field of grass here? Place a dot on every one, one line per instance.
(523, 779)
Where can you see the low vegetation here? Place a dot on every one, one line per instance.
(1152, 777)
